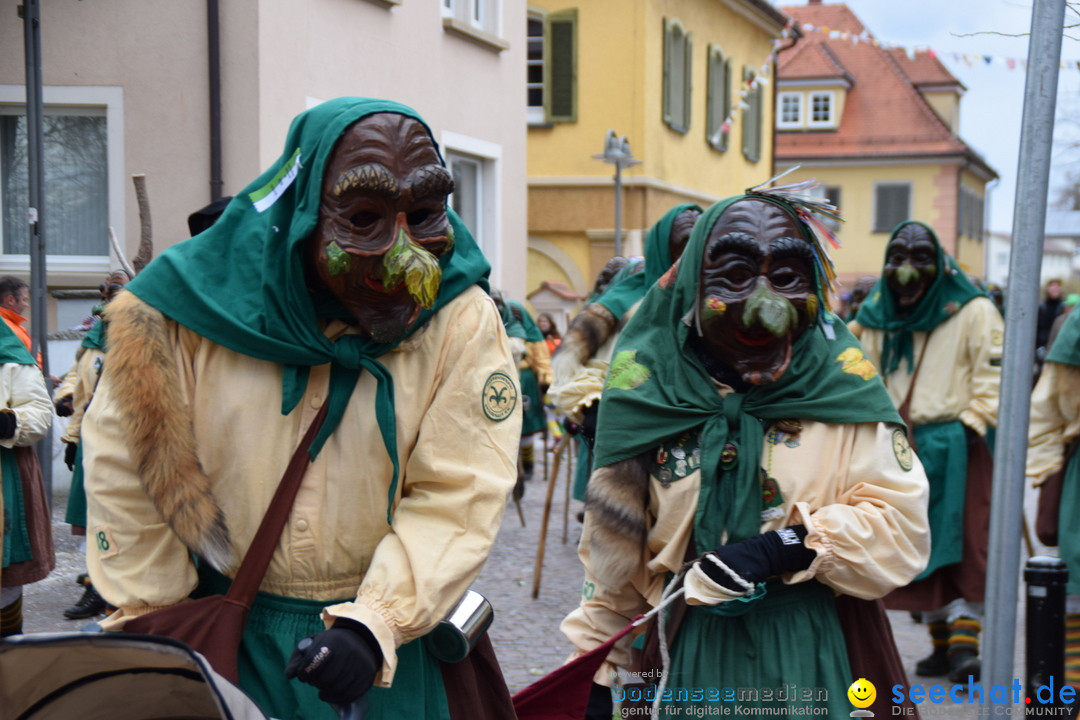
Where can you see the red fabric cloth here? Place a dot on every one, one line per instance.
(564, 693)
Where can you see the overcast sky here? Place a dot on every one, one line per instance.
(991, 109)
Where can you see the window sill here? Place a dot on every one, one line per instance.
(541, 125)
(468, 32)
(385, 3)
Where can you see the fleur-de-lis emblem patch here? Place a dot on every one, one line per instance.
(500, 396)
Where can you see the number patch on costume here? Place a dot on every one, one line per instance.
(588, 590)
(106, 546)
(902, 449)
(500, 397)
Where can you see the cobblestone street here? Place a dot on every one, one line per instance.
(525, 631)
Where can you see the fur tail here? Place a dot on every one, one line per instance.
(617, 500)
(159, 429)
(589, 330)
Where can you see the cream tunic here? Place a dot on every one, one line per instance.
(858, 489)
(961, 370)
(87, 370)
(22, 391)
(458, 466)
(1055, 419)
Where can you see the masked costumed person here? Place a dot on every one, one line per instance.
(1052, 442)
(534, 371)
(937, 341)
(25, 417)
(745, 447)
(338, 282)
(580, 366)
(85, 373)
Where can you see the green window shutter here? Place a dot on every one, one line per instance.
(751, 119)
(668, 79)
(891, 205)
(717, 102)
(688, 75)
(560, 101)
(961, 215)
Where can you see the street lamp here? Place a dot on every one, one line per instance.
(617, 153)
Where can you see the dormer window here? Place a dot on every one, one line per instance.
(791, 111)
(822, 106)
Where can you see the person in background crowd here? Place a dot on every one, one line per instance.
(534, 372)
(1049, 309)
(337, 282)
(25, 417)
(746, 448)
(858, 294)
(89, 359)
(937, 341)
(552, 337)
(1052, 441)
(581, 364)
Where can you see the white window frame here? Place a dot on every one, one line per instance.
(830, 121)
(111, 100)
(535, 114)
(783, 124)
(490, 194)
(481, 14)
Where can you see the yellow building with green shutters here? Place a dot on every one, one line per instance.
(687, 83)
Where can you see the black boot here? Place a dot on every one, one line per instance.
(89, 605)
(11, 618)
(937, 663)
(964, 650)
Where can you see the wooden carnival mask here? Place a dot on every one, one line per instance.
(910, 265)
(756, 295)
(383, 224)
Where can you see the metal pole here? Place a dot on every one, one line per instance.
(618, 209)
(1029, 221)
(35, 159)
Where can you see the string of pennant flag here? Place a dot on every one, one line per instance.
(969, 59)
(761, 77)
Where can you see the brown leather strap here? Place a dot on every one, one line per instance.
(905, 407)
(257, 559)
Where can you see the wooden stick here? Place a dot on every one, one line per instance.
(570, 456)
(538, 568)
(146, 242)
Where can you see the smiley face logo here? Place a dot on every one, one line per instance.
(862, 693)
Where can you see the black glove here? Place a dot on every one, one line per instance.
(7, 425)
(761, 557)
(341, 662)
(588, 423)
(600, 706)
(69, 455)
(65, 406)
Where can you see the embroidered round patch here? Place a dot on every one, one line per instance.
(500, 397)
(902, 449)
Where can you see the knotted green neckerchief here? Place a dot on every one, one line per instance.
(17, 546)
(241, 283)
(657, 388)
(630, 284)
(95, 337)
(949, 292)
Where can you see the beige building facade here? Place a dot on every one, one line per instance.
(127, 91)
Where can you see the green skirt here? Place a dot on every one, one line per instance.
(1068, 528)
(76, 507)
(274, 627)
(532, 405)
(786, 654)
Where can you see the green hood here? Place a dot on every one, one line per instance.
(630, 286)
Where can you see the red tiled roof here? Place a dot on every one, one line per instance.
(559, 288)
(884, 114)
(924, 68)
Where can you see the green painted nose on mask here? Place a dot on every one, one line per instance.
(406, 261)
(906, 273)
(767, 309)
